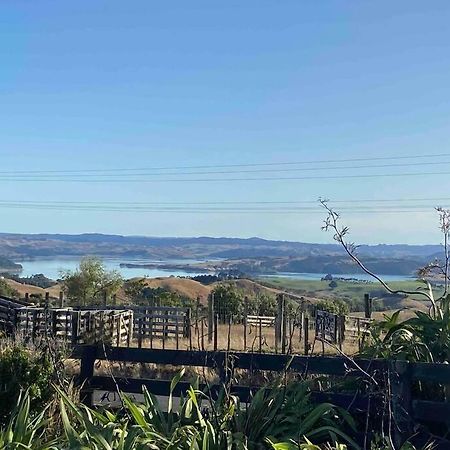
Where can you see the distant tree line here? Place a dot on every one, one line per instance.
(221, 276)
(39, 280)
(140, 293)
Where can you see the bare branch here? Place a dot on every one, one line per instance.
(444, 218)
(332, 223)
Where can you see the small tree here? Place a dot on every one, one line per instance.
(228, 301)
(6, 289)
(139, 292)
(333, 284)
(333, 306)
(266, 305)
(87, 284)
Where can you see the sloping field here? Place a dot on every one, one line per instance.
(182, 286)
(353, 292)
(23, 289)
(193, 289)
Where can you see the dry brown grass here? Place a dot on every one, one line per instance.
(182, 286)
(23, 289)
(232, 339)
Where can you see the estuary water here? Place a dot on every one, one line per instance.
(52, 268)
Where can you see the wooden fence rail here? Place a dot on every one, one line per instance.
(408, 410)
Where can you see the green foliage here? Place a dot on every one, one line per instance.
(198, 422)
(263, 305)
(39, 280)
(333, 284)
(7, 290)
(333, 306)
(424, 337)
(24, 430)
(22, 368)
(89, 282)
(286, 413)
(139, 292)
(229, 302)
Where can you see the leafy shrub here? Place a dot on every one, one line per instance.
(6, 289)
(139, 292)
(263, 305)
(333, 306)
(425, 337)
(20, 369)
(228, 302)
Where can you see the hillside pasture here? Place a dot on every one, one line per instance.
(352, 292)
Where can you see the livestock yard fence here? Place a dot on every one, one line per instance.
(292, 330)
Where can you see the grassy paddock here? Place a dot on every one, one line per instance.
(232, 338)
(353, 292)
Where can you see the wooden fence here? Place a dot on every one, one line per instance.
(115, 327)
(8, 309)
(409, 410)
(293, 329)
(162, 323)
(289, 331)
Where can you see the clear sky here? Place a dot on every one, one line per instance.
(107, 84)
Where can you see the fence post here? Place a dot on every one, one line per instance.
(300, 328)
(245, 321)
(279, 338)
(367, 306)
(211, 316)
(260, 335)
(151, 327)
(284, 336)
(35, 325)
(358, 327)
(306, 334)
(15, 323)
(140, 316)
(86, 373)
(187, 323)
(54, 316)
(74, 324)
(130, 328)
(216, 327)
(400, 380)
(61, 299)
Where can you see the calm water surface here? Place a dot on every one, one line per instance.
(52, 269)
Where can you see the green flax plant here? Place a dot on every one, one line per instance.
(287, 412)
(197, 422)
(24, 430)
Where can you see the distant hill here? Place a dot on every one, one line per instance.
(6, 265)
(23, 246)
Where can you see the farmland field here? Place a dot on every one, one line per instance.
(352, 292)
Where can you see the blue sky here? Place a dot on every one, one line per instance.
(110, 84)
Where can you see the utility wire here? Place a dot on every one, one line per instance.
(232, 172)
(219, 203)
(246, 179)
(280, 210)
(217, 166)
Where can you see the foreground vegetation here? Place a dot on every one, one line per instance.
(199, 422)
